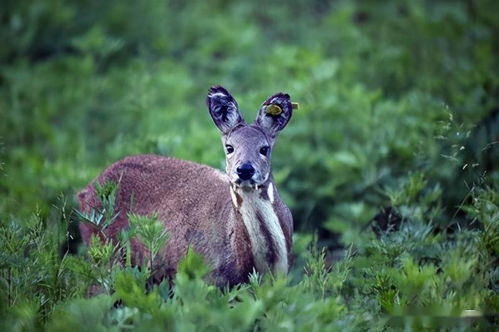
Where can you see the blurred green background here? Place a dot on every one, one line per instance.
(398, 129)
(398, 98)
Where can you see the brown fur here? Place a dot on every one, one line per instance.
(237, 223)
(195, 205)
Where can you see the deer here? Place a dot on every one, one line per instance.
(235, 220)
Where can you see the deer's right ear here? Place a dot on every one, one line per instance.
(275, 113)
(223, 109)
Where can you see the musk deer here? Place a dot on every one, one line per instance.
(235, 220)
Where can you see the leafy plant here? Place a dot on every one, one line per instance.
(150, 231)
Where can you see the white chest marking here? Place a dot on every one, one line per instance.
(252, 204)
(270, 193)
(234, 198)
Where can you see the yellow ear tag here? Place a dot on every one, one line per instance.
(274, 110)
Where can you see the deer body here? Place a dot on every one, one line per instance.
(236, 220)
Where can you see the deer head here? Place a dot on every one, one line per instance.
(248, 148)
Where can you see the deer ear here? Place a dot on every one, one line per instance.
(223, 109)
(275, 113)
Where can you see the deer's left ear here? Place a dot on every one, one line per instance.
(275, 114)
(223, 109)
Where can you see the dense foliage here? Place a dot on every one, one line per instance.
(390, 162)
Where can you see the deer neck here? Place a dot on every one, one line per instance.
(257, 210)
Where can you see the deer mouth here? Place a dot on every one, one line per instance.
(247, 184)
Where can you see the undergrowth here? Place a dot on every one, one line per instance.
(415, 277)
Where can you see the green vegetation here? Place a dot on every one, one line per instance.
(391, 162)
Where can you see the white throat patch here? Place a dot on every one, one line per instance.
(270, 192)
(251, 207)
(233, 196)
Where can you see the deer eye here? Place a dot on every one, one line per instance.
(264, 150)
(229, 148)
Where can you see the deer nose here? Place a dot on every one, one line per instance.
(245, 171)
